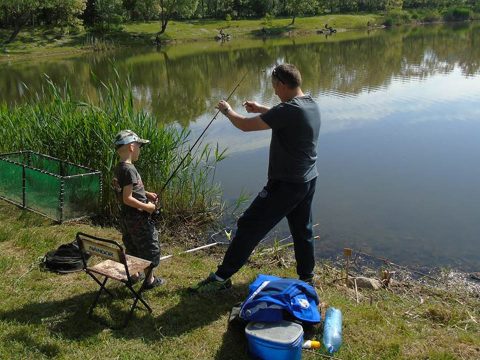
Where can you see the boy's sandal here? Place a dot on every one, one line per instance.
(156, 282)
(137, 278)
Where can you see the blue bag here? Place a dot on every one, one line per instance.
(270, 296)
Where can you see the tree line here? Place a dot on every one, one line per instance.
(108, 15)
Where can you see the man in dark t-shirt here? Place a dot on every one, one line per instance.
(292, 174)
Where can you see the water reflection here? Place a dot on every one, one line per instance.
(398, 153)
(167, 80)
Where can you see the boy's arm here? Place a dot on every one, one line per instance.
(129, 200)
(153, 197)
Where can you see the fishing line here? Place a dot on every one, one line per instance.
(156, 213)
(200, 136)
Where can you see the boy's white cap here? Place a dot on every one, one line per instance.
(128, 136)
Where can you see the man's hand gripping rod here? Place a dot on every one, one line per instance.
(156, 214)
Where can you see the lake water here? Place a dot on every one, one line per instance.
(399, 148)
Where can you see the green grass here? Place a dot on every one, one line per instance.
(43, 315)
(205, 30)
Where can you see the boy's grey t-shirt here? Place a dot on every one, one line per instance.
(293, 148)
(126, 174)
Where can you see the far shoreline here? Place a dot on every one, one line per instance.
(135, 35)
(178, 32)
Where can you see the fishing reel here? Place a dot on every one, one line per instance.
(156, 215)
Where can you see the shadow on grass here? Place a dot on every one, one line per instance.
(112, 39)
(69, 316)
(201, 22)
(234, 344)
(194, 311)
(42, 38)
(23, 217)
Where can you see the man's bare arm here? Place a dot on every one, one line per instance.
(244, 123)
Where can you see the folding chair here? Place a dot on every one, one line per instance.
(116, 266)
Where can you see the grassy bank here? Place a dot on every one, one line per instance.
(47, 41)
(207, 30)
(43, 315)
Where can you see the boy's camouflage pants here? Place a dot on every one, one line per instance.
(140, 236)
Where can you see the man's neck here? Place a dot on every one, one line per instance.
(293, 94)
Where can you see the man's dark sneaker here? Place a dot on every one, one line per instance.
(211, 284)
(310, 281)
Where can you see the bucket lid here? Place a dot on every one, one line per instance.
(283, 332)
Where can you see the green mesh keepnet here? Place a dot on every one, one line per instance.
(57, 189)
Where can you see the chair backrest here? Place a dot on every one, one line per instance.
(106, 249)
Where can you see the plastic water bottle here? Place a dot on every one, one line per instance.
(332, 330)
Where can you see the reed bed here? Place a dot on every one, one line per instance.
(56, 124)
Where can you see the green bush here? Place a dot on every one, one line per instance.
(109, 16)
(457, 14)
(397, 17)
(388, 22)
(268, 20)
(432, 16)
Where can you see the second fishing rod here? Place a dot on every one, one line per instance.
(155, 215)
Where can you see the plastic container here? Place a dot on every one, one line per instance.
(332, 330)
(280, 341)
(311, 344)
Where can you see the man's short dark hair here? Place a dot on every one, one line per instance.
(288, 74)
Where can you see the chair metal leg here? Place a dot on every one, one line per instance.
(138, 297)
(142, 288)
(102, 287)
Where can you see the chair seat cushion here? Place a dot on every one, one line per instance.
(116, 270)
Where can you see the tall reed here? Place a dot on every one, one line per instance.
(81, 132)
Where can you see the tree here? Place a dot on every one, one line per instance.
(18, 13)
(146, 10)
(298, 7)
(394, 5)
(67, 12)
(180, 8)
(108, 15)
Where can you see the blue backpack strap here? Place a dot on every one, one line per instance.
(269, 296)
(258, 308)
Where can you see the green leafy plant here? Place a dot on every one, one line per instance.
(457, 14)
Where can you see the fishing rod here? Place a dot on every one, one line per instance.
(228, 234)
(156, 213)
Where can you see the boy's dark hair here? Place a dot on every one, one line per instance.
(288, 74)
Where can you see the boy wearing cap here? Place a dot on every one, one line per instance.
(139, 233)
